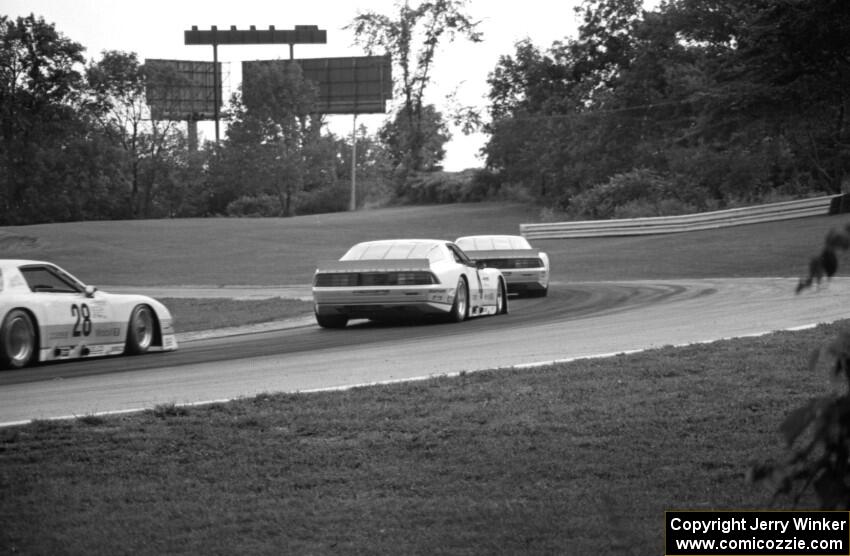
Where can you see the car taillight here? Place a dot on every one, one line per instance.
(335, 280)
(350, 279)
(512, 263)
(417, 278)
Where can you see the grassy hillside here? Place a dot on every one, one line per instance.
(285, 250)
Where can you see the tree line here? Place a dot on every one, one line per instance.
(78, 141)
(693, 105)
(696, 105)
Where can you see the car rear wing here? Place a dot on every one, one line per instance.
(503, 254)
(376, 265)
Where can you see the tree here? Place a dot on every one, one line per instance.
(264, 151)
(412, 38)
(40, 89)
(432, 136)
(117, 99)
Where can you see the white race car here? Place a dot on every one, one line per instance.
(402, 278)
(49, 315)
(525, 268)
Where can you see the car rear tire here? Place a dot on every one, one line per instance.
(502, 299)
(140, 330)
(460, 307)
(331, 321)
(18, 342)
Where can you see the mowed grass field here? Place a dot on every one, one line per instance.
(284, 251)
(577, 458)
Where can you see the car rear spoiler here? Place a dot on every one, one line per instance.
(503, 254)
(376, 265)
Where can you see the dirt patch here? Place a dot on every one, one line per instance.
(13, 242)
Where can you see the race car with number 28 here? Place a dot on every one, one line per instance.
(526, 269)
(48, 315)
(402, 278)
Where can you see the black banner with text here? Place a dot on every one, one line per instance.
(761, 533)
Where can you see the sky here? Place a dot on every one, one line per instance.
(154, 29)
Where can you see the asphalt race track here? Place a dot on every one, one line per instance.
(576, 320)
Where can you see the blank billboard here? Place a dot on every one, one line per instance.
(352, 85)
(181, 90)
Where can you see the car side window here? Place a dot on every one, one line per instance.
(459, 256)
(43, 279)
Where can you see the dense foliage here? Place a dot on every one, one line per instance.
(818, 433)
(725, 101)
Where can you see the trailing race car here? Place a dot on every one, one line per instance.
(402, 278)
(46, 315)
(526, 269)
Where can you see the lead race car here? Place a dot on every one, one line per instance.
(402, 278)
(46, 314)
(526, 269)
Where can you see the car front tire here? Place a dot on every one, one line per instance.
(140, 330)
(18, 342)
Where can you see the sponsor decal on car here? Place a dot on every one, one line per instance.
(98, 309)
(106, 332)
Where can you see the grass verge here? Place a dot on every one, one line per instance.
(192, 315)
(579, 458)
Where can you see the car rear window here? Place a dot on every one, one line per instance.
(400, 250)
(493, 243)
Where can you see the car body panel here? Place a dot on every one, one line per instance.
(372, 281)
(525, 268)
(73, 320)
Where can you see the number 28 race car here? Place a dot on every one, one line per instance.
(46, 315)
(526, 269)
(402, 278)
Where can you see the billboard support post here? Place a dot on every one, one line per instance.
(353, 206)
(216, 83)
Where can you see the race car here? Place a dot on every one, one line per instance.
(405, 278)
(526, 269)
(49, 315)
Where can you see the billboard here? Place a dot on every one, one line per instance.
(182, 90)
(351, 85)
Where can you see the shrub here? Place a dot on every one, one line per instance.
(640, 192)
(332, 198)
(255, 205)
(446, 187)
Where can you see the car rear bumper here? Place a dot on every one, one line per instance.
(383, 302)
(526, 280)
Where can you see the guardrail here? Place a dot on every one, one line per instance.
(816, 206)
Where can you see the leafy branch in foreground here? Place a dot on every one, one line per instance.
(818, 433)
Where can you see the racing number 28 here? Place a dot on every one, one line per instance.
(82, 314)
